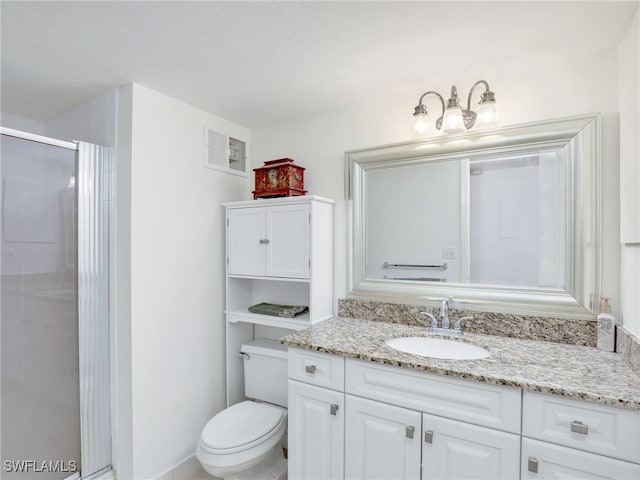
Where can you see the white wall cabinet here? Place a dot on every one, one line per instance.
(405, 424)
(270, 241)
(278, 251)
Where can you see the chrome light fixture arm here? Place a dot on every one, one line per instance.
(421, 108)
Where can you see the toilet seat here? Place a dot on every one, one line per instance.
(241, 427)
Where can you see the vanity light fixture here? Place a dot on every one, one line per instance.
(454, 119)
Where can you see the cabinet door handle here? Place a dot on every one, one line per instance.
(333, 409)
(409, 432)
(262, 240)
(533, 465)
(310, 368)
(428, 436)
(266, 241)
(579, 427)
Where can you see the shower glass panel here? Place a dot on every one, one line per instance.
(40, 405)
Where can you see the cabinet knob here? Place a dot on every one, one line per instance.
(263, 241)
(333, 409)
(428, 436)
(310, 368)
(532, 465)
(409, 432)
(579, 427)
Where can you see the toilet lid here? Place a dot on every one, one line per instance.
(241, 424)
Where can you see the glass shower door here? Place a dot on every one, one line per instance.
(40, 405)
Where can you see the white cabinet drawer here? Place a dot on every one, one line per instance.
(542, 460)
(317, 368)
(474, 402)
(588, 426)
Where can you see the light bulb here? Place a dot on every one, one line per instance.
(420, 124)
(488, 116)
(452, 121)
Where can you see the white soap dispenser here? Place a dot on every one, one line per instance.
(606, 330)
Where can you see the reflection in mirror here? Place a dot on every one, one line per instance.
(504, 222)
(511, 230)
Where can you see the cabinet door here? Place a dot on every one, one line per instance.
(541, 460)
(381, 441)
(458, 450)
(287, 229)
(316, 432)
(245, 241)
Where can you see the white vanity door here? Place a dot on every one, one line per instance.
(457, 450)
(541, 460)
(381, 441)
(316, 432)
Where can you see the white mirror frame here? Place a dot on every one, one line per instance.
(580, 139)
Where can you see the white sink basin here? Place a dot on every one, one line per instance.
(438, 348)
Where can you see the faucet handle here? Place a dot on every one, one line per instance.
(458, 323)
(434, 322)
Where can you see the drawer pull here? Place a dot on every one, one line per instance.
(533, 465)
(333, 409)
(428, 436)
(409, 432)
(310, 368)
(579, 427)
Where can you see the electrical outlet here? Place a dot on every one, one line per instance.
(449, 253)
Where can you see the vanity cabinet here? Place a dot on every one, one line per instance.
(398, 423)
(316, 415)
(574, 439)
(458, 450)
(381, 441)
(316, 432)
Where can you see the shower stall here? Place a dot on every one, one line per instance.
(55, 410)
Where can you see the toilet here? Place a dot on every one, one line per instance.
(245, 441)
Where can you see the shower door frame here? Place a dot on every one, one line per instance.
(92, 186)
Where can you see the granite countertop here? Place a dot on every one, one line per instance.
(566, 370)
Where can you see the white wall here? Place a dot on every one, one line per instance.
(629, 99)
(176, 242)
(528, 88)
(21, 123)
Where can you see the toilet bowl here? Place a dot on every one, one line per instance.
(241, 438)
(245, 440)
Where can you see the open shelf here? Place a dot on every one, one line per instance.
(298, 323)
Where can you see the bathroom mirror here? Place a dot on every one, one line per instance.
(506, 220)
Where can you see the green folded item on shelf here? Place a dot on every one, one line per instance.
(287, 311)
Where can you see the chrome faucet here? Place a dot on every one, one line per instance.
(444, 312)
(446, 328)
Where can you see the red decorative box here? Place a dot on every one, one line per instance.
(279, 178)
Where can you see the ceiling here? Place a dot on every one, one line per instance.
(257, 63)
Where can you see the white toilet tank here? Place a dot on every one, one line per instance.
(265, 371)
